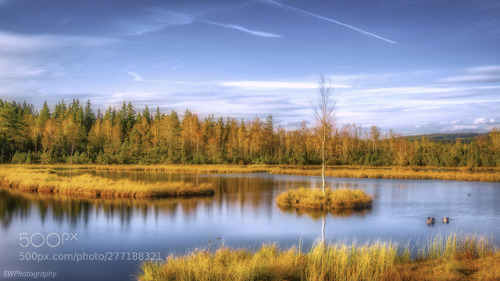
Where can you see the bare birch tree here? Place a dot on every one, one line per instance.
(324, 117)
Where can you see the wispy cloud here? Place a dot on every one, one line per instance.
(27, 59)
(306, 13)
(472, 79)
(261, 85)
(481, 74)
(138, 78)
(162, 18)
(157, 20)
(13, 43)
(243, 29)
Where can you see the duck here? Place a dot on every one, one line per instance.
(430, 220)
(446, 219)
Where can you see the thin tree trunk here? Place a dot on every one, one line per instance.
(323, 160)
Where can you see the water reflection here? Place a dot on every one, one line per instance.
(12, 206)
(318, 214)
(62, 208)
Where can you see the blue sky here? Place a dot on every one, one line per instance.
(415, 66)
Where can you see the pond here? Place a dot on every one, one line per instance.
(243, 213)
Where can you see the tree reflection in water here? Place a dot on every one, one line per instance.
(62, 208)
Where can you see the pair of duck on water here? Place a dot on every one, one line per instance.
(431, 220)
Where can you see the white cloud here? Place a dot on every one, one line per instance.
(243, 29)
(13, 43)
(260, 85)
(480, 74)
(472, 79)
(160, 19)
(138, 78)
(479, 120)
(458, 128)
(26, 60)
(163, 18)
(491, 121)
(484, 69)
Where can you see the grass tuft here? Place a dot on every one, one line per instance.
(314, 199)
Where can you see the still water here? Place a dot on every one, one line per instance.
(242, 213)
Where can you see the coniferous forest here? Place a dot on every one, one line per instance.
(74, 133)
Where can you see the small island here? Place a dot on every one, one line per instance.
(315, 199)
(90, 186)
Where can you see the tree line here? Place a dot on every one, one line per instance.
(75, 134)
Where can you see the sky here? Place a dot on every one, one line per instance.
(414, 66)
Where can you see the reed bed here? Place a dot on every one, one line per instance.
(314, 199)
(86, 185)
(413, 173)
(377, 261)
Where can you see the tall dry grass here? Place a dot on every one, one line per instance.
(181, 168)
(378, 261)
(47, 181)
(435, 173)
(414, 173)
(314, 199)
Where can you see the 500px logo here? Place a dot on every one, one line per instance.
(52, 239)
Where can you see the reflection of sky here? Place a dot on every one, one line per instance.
(413, 66)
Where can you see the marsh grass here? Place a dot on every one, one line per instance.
(86, 185)
(414, 173)
(376, 261)
(314, 199)
(488, 174)
(181, 168)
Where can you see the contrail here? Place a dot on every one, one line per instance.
(243, 29)
(306, 13)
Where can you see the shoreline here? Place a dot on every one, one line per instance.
(388, 172)
(454, 257)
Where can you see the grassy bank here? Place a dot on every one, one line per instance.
(314, 199)
(453, 258)
(46, 181)
(186, 169)
(414, 173)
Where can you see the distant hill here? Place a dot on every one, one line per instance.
(445, 138)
